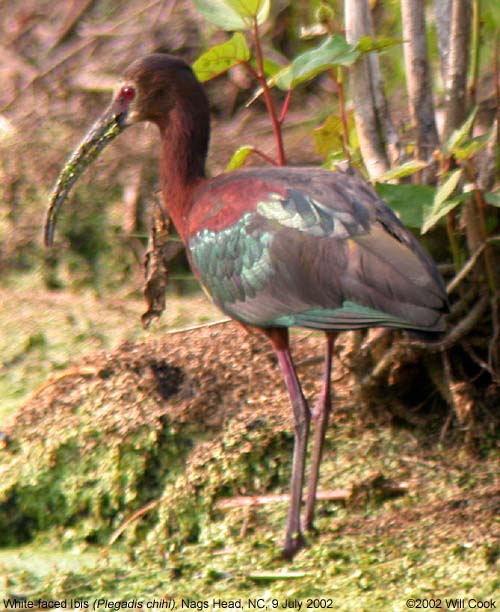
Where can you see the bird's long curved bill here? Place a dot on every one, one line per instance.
(106, 128)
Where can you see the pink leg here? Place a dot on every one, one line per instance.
(320, 417)
(294, 540)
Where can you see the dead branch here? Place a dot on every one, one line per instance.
(337, 495)
(76, 12)
(465, 270)
(456, 333)
(480, 362)
(117, 533)
(244, 501)
(410, 349)
(156, 265)
(53, 380)
(68, 54)
(250, 501)
(189, 328)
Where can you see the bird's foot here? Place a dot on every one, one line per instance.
(308, 518)
(293, 543)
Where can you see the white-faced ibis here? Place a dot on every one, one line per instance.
(274, 247)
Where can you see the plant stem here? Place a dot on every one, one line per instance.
(338, 80)
(286, 106)
(454, 246)
(260, 74)
(481, 215)
(475, 49)
(263, 155)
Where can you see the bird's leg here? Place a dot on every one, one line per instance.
(320, 418)
(294, 539)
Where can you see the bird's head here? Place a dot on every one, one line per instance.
(150, 89)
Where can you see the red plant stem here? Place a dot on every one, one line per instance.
(264, 156)
(286, 106)
(251, 70)
(267, 95)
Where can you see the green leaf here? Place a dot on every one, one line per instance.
(271, 67)
(220, 58)
(239, 158)
(333, 51)
(472, 146)
(410, 202)
(233, 15)
(406, 169)
(442, 203)
(447, 188)
(367, 44)
(446, 207)
(328, 137)
(493, 198)
(250, 9)
(460, 134)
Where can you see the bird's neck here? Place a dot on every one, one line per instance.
(182, 163)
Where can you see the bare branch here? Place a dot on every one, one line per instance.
(456, 70)
(357, 16)
(244, 501)
(389, 131)
(410, 349)
(418, 77)
(442, 17)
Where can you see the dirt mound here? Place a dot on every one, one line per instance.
(202, 377)
(117, 430)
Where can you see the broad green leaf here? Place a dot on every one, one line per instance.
(410, 202)
(334, 159)
(333, 51)
(460, 134)
(250, 9)
(493, 198)
(406, 169)
(328, 140)
(271, 67)
(239, 158)
(472, 146)
(220, 58)
(447, 188)
(233, 15)
(442, 203)
(367, 44)
(446, 207)
(328, 137)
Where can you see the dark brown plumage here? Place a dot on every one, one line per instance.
(273, 247)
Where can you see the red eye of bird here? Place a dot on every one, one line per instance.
(128, 92)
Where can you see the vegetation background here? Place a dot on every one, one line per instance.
(116, 434)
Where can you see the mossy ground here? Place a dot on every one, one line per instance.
(181, 421)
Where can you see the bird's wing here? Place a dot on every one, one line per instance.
(314, 255)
